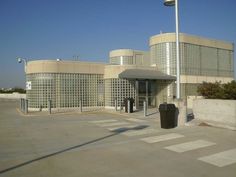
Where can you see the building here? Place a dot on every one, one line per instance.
(142, 75)
(201, 60)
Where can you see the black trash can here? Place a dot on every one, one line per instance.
(168, 113)
(131, 101)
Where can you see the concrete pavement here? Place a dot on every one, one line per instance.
(105, 144)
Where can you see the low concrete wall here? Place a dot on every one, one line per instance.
(190, 100)
(220, 113)
(12, 95)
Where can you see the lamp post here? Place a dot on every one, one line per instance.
(24, 60)
(24, 102)
(175, 3)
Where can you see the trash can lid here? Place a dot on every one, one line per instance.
(167, 107)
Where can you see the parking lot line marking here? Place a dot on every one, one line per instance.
(140, 132)
(156, 139)
(188, 146)
(136, 120)
(103, 121)
(221, 159)
(113, 124)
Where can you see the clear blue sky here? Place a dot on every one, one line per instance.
(50, 29)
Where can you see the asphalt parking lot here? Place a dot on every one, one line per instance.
(109, 144)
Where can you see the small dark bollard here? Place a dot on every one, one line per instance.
(116, 104)
(21, 104)
(80, 105)
(40, 108)
(26, 106)
(168, 113)
(50, 106)
(144, 108)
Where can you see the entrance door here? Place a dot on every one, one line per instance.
(147, 91)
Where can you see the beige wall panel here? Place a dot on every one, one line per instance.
(47, 66)
(199, 79)
(183, 79)
(127, 52)
(224, 79)
(113, 71)
(41, 66)
(170, 37)
(121, 52)
(191, 79)
(210, 79)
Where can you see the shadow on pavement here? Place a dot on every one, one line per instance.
(156, 112)
(124, 129)
(116, 132)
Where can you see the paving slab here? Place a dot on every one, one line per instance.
(189, 146)
(147, 131)
(160, 138)
(221, 159)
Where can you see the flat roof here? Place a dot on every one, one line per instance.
(145, 74)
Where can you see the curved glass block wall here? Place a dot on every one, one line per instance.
(65, 90)
(194, 59)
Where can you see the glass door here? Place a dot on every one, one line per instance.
(147, 91)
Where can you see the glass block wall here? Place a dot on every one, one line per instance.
(65, 90)
(162, 91)
(162, 55)
(43, 88)
(118, 89)
(194, 60)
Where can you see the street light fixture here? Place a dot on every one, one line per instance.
(24, 60)
(175, 3)
(169, 2)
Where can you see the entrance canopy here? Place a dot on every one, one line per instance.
(145, 74)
